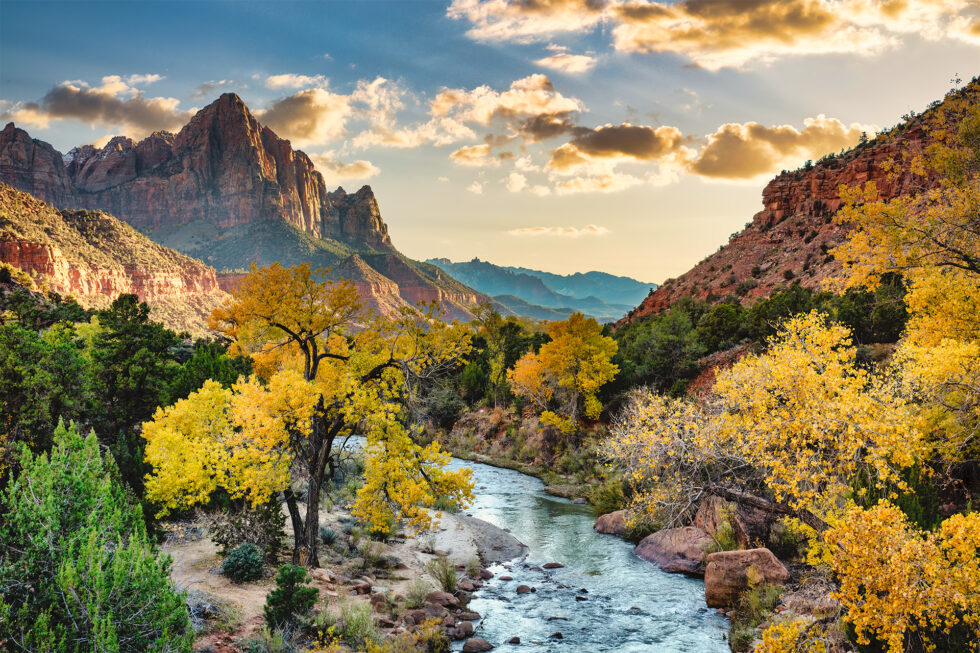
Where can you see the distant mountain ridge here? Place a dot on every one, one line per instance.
(534, 293)
(229, 191)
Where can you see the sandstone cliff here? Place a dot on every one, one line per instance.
(788, 241)
(230, 192)
(94, 257)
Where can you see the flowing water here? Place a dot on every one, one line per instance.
(631, 605)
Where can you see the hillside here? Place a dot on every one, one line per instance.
(229, 191)
(788, 241)
(94, 257)
(532, 292)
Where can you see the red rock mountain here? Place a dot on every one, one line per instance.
(787, 242)
(94, 257)
(229, 191)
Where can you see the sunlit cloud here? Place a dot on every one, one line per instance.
(336, 172)
(476, 188)
(291, 80)
(515, 182)
(308, 117)
(562, 232)
(567, 62)
(474, 156)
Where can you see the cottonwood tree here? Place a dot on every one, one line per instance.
(325, 371)
(563, 379)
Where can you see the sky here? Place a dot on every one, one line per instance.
(628, 136)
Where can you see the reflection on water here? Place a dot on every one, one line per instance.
(630, 604)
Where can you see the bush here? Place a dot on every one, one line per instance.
(261, 525)
(443, 571)
(291, 599)
(431, 637)
(328, 536)
(77, 569)
(357, 624)
(416, 594)
(243, 564)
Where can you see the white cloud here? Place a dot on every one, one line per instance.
(562, 232)
(476, 188)
(515, 182)
(336, 172)
(291, 80)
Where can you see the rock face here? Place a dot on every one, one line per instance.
(69, 250)
(613, 523)
(676, 550)
(229, 191)
(728, 574)
(223, 168)
(788, 241)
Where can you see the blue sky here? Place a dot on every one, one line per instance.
(630, 136)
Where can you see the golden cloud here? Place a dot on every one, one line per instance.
(336, 172)
(474, 156)
(563, 232)
(308, 117)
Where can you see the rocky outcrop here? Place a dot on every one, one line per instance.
(676, 550)
(748, 525)
(223, 168)
(613, 523)
(94, 258)
(788, 241)
(730, 573)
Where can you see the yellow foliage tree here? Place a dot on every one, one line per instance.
(327, 370)
(897, 583)
(567, 373)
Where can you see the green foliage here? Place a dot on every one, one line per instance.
(210, 361)
(659, 351)
(416, 594)
(443, 406)
(77, 570)
(291, 600)
(442, 569)
(357, 624)
(243, 564)
(328, 536)
(754, 606)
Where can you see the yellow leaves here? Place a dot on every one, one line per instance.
(789, 636)
(894, 580)
(573, 366)
(806, 414)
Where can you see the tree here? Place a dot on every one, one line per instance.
(77, 570)
(567, 372)
(898, 584)
(132, 367)
(326, 371)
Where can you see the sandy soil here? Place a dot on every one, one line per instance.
(197, 567)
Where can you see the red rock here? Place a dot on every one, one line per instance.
(525, 589)
(749, 525)
(553, 565)
(476, 645)
(444, 599)
(613, 523)
(727, 574)
(676, 550)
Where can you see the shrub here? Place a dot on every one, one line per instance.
(275, 640)
(357, 624)
(443, 571)
(260, 525)
(328, 536)
(431, 637)
(243, 564)
(291, 599)
(77, 569)
(416, 594)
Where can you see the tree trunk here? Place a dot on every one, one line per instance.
(297, 523)
(804, 516)
(323, 444)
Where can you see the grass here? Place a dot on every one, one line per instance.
(443, 571)
(356, 624)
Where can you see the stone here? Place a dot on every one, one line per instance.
(557, 635)
(676, 550)
(469, 616)
(514, 640)
(414, 617)
(749, 525)
(727, 574)
(579, 501)
(485, 574)
(444, 599)
(579, 597)
(322, 575)
(465, 628)
(525, 589)
(506, 578)
(476, 645)
(613, 523)
(466, 585)
(553, 565)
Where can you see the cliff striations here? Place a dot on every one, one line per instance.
(94, 257)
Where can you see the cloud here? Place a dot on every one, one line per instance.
(603, 182)
(716, 34)
(476, 188)
(291, 80)
(308, 117)
(474, 156)
(115, 103)
(209, 89)
(515, 182)
(148, 78)
(599, 149)
(563, 232)
(744, 151)
(526, 20)
(335, 172)
(566, 62)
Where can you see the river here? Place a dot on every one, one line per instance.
(630, 604)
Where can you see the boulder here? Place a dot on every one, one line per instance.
(749, 524)
(727, 575)
(525, 589)
(553, 565)
(476, 645)
(444, 599)
(676, 550)
(613, 523)
(466, 585)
